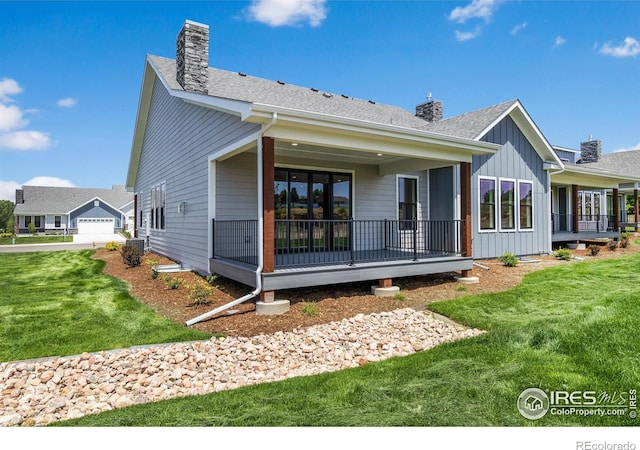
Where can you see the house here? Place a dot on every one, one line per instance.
(71, 210)
(279, 186)
(589, 196)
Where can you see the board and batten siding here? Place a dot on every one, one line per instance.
(178, 138)
(517, 159)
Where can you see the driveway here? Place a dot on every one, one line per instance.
(19, 248)
(90, 238)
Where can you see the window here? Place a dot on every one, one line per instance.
(37, 221)
(158, 203)
(507, 204)
(96, 203)
(407, 201)
(57, 221)
(27, 221)
(525, 191)
(589, 206)
(487, 204)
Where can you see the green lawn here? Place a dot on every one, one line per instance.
(35, 240)
(568, 328)
(60, 303)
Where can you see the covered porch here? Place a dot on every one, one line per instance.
(345, 206)
(587, 204)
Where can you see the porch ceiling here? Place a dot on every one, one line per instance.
(591, 178)
(386, 163)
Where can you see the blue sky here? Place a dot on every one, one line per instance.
(71, 72)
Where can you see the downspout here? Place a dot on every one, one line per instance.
(258, 288)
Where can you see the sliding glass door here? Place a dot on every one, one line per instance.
(312, 209)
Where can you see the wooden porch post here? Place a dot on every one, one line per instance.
(574, 208)
(465, 213)
(268, 224)
(616, 210)
(635, 209)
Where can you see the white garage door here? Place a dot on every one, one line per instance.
(95, 226)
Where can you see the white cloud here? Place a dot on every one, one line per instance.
(629, 47)
(66, 102)
(287, 12)
(8, 188)
(517, 28)
(467, 35)
(626, 149)
(559, 41)
(8, 87)
(477, 9)
(24, 140)
(11, 117)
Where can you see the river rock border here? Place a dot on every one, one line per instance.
(35, 393)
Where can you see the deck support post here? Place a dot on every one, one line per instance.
(574, 208)
(635, 210)
(385, 283)
(465, 215)
(616, 210)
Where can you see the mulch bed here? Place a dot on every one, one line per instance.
(332, 303)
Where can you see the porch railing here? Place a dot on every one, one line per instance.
(586, 223)
(325, 242)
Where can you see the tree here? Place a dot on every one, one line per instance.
(6, 215)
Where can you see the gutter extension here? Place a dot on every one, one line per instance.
(258, 288)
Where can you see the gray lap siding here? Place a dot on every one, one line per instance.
(178, 139)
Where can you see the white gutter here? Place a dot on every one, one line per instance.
(258, 288)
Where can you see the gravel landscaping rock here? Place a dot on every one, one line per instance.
(45, 391)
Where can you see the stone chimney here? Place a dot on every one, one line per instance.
(590, 151)
(431, 111)
(192, 57)
(19, 196)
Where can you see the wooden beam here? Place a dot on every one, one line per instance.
(574, 208)
(616, 210)
(465, 213)
(268, 224)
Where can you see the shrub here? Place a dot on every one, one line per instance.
(126, 234)
(309, 309)
(199, 292)
(171, 283)
(151, 262)
(211, 279)
(131, 256)
(623, 240)
(32, 228)
(509, 259)
(154, 274)
(594, 249)
(400, 297)
(6, 235)
(563, 253)
(111, 246)
(612, 245)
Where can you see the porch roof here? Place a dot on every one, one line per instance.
(587, 176)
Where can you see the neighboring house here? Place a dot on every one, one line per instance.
(73, 210)
(583, 193)
(279, 186)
